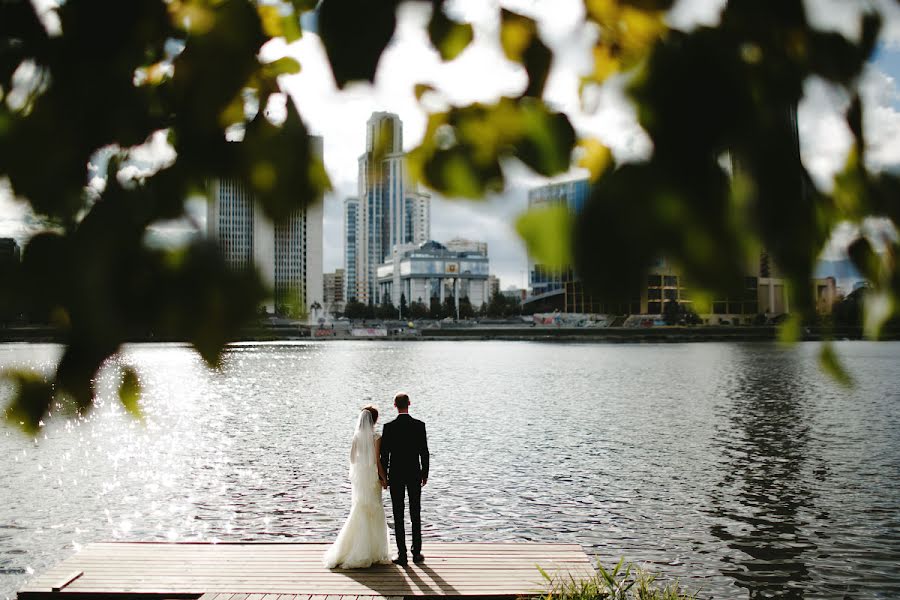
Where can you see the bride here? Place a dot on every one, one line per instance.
(363, 540)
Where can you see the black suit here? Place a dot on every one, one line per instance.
(404, 456)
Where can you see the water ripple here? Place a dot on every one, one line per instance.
(738, 468)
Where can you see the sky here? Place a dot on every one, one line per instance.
(481, 73)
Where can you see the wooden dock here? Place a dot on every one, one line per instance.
(268, 571)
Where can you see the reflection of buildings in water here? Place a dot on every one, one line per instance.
(761, 500)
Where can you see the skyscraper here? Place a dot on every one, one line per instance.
(351, 244)
(418, 217)
(382, 200)
(288, 256)
(571, 194)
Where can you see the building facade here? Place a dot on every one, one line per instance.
(351, 246)
(418, 217)
(382, 201)
(463, 245)
(573, 195)
(333, 291)
(493, 286)
(288, 256)
(431, 270)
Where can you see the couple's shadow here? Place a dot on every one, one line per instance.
(394, 580)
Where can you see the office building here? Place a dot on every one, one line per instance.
(431, 270)
(464, 245)
(493, 286)
(573, 195)
(351, 245)
(333, 291)
(382, 201)
(418, 217)
(288, 256)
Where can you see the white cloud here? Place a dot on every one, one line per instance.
(688, 14)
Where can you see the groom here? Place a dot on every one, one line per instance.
(404, 456)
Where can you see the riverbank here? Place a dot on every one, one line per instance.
(674, 334)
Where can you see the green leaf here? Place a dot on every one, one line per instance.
(31, 400)
(791, 330)
(304, 5)
(290, 28)
(830, 363)
(522, 44)
(547, 232)
(355, 33)
(283, 66)
(447, 36)
(461, 151)
(130, 393)
(281, 165)
(421, 89)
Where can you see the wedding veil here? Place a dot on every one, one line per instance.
(363, 472)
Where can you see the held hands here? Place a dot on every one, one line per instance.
(424, 481)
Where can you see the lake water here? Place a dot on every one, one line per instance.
(741, 469)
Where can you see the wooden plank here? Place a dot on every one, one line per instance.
(59, 585)
(293, 571)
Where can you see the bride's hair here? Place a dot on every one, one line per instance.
(372, 410)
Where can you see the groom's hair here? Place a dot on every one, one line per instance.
(374, 412)
(401, 400)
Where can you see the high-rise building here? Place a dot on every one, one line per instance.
(334, 285)
(288, 256)
(382, 200)
(462, 245)
(572, 194)
(418, 217)
(351, 247)
(493, 286)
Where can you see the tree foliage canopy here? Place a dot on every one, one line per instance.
(117, 72)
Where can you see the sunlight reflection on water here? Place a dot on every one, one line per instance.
(739, 468)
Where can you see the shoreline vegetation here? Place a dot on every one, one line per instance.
(368, 332)
(623, 582)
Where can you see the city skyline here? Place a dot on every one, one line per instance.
(482, 74)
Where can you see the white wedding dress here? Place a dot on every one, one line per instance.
(363, 540)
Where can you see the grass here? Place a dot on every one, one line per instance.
(624, 582)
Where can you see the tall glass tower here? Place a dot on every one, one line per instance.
(351, 239)
(382, 200)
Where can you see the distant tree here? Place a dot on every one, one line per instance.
(355, 310)
(386, 310)
(465, 308)
(434, 308)
(418, 310)
(404, 309)
(448, 308)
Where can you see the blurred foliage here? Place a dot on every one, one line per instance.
(724, 179)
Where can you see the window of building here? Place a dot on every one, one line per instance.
(670, 281)
(654, 294)
(654, 280)
(653, 307)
